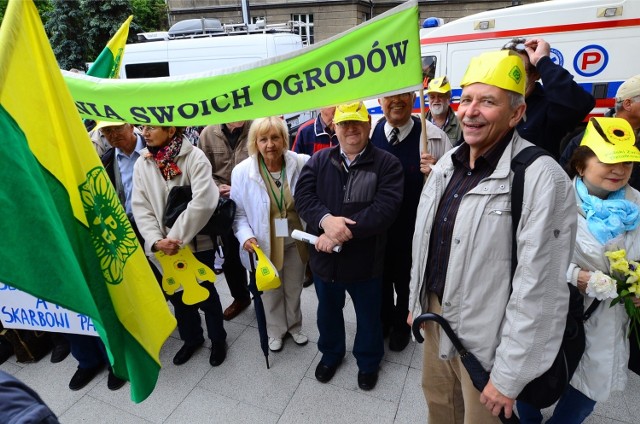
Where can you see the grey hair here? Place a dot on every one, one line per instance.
(515, 99)
(620, 102)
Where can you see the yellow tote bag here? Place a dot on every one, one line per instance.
(267, 277)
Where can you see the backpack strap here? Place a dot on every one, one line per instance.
(590, 309)
(519, 165)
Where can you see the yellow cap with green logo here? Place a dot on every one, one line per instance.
(356, 111)
(439, 85)
(612, 140)
(503, 69)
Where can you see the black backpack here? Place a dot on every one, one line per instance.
(545, 390)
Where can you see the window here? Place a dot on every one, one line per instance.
(305, 27)
(428, 67)
(147, 70)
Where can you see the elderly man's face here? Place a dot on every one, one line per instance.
(397, 109)
(439, 103)
(326, 114)
(353, 135)
(121, 137)
(486, 115)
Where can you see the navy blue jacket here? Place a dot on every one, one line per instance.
(368, 192)
(20, 404)
(554, 110)
(408, 152)
(312, 137)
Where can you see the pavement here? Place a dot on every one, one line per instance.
(243, 390)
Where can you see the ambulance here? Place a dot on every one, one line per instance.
(595, 40)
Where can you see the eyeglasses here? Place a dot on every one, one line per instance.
(149, 128)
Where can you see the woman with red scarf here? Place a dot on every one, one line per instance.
(169, 161)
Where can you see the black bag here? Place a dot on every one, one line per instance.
(220, 222)
(545, 390)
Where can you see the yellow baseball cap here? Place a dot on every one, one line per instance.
(439, 85)
(612, 140)
(503, 69)
(356, 111)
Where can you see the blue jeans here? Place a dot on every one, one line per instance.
(368, 347)
(572, 408)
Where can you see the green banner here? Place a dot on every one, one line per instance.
(379, 57)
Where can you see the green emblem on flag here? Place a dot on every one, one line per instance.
(111, 232)
(515, 74)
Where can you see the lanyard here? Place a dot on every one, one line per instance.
(279, 201)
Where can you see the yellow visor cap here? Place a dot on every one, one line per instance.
(351, 112)
(612, 140)
(439, 85)
(503, 69)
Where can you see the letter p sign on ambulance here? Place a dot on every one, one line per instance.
(590, 60)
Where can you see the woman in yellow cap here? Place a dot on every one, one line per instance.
(608, 219)
(263, 186)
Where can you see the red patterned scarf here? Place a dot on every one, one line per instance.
(165, 157)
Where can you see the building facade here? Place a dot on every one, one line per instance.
(322, 19)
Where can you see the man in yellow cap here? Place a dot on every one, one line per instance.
(462, 253)
(349, 195)
(440, 112)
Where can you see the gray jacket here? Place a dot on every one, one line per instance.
(515, 334)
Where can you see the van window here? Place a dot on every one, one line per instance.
(428, 66)
(147, 70)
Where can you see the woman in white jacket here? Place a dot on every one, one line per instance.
(263, 187)
(169, 161)
(608, 218)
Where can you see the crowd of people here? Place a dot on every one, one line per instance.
(422, 216)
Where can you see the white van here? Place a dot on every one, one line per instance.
(594, 40)
(201, 45)
(189, 55)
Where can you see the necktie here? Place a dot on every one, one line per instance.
(393, 137)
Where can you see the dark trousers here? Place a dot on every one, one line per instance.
(395, 278)
(89, 351)
(188, 316)
(234, 271)
(368, 347)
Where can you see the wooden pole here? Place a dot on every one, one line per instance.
(423, 120)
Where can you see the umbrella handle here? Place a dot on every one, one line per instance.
(252, 261)
(429, 316)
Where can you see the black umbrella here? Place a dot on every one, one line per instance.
(479, 376)
(259, 308)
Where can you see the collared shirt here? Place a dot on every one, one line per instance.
(463, 180)
(404, 130)
(345, 164)
(346, 159)
(125, 167)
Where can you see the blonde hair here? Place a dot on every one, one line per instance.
(264, 126)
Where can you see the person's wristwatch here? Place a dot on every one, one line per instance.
(154, 248)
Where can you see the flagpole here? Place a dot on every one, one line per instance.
(423, 121)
